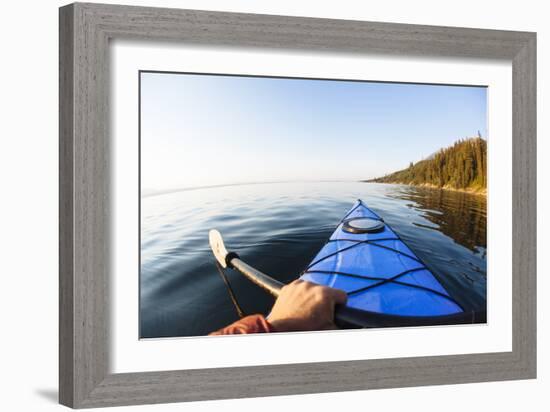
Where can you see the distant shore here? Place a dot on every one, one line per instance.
(474, 191)
(461, 167)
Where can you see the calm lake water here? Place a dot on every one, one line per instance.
(278, 228)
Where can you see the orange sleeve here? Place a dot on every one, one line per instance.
(248, 324)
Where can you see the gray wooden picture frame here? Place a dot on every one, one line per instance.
(85, 31)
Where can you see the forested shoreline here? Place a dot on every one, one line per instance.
(462, 166)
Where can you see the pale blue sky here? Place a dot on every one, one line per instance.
(201, 130)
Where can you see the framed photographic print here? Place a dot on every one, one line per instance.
(256, 205)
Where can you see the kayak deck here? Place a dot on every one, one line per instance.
(379, 272)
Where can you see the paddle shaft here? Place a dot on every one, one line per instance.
(343, 316)
(260, 279)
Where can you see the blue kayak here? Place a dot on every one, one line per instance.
(380, 273)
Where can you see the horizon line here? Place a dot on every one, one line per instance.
(185, 189)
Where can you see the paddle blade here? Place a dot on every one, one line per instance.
(217, 246)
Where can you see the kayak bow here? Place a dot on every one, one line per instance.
(382, 276)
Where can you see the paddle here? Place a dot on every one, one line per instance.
(344, 317)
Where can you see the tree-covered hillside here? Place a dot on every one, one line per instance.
(460, 166)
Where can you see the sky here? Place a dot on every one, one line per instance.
(205, 130)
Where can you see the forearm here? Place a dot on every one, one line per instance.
(246, 325)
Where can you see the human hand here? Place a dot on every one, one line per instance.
(305, 306)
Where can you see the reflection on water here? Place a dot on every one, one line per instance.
(461, 216)
(278, 228)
